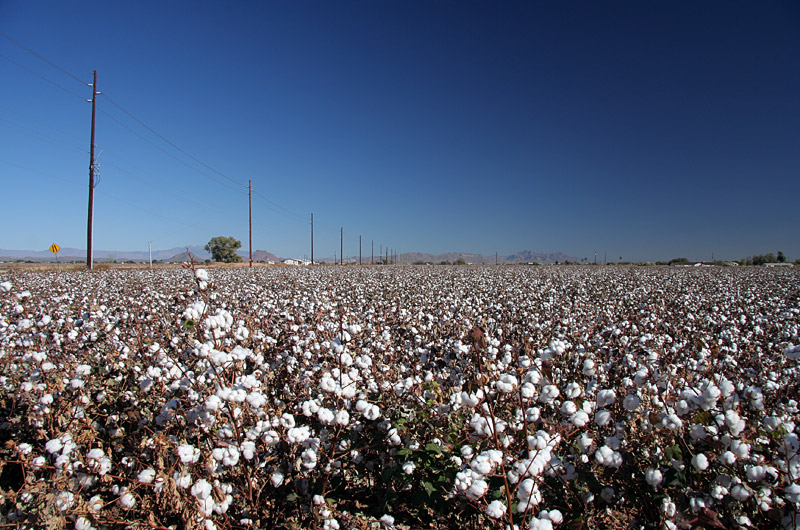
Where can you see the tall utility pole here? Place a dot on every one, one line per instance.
(91, 180)
(372, 256)
(359, 250)
(341, 245)
(150, 251)
(250, 200)
(312, 238)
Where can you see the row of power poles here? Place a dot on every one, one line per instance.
(92, 185)
(395, 256)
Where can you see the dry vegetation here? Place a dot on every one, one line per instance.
(422, 397)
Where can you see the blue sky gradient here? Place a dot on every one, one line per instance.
(643, 130)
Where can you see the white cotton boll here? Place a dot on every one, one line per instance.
(276, 478)
(585, 442)
(602, 417)
(287, 421)
(342, 417)
(727, 458)
(409, 467)
(182, 480)
(298, 434)
(64, 501)
(735, 424)
(549, 394)
(653, 477)
(672, 422)
(568, 408)
(54, 446)
(147, 475)
(631, 402)
(555, 516)
(740, 449)
(496, 509)
(533, 414)
(605, 398)
(588, 367)
(325, 416)
(608, 457)
(528, 390)
(201, 489)
(127, 500)
(5, 287)
(537, 523)
(579, 419)
(573, 390)
(697, 432)
(309, 457)
(700, 462)
(387, 520)
(201, 274)
(188, 454)
(739, 492)
(213, 403)
(506, 383)
(248, 449)
(792, 493)
(82, 523)
(478, 489)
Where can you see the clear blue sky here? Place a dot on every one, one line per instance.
(647, 130)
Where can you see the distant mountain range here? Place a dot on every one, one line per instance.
(171, 255)
(178, 254)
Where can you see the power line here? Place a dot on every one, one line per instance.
(140, 122)
(167, 152)
(37, 74)
(51, 63)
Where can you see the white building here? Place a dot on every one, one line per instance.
(296, 262)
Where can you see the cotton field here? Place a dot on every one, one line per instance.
(401, 397)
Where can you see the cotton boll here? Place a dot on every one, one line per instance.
(478, 489)
(602, 417)
(579, 419)
(653, 477)
(608, 457)
(573, 390)
(506, 383)
(146, 475)
(739, 492)
(631, 402)
(127, 500)
(549, 394)
(700, 462)
(605, 398)
(568, 408)
(792, 493)
(496, 509)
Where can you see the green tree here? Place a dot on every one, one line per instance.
(224, 249)
(781, 257)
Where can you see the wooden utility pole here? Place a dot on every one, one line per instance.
(372, 256)
(250, 200)
(91, 180)
(312, 238)
(359, 250)
(341, 245)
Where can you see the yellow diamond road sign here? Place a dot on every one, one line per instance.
(54, 248)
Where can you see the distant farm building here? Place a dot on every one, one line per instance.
(296, 262)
